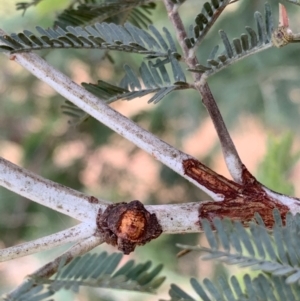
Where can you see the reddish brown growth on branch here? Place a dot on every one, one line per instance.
(128, 225)
(241, 202)
(282, 35)
(208, 178)
(243, 209)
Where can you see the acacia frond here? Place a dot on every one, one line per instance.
(135, 11)
(94, 270)
(127, 38)
(259, 288)
(154, 81)
(276, 253)
(210, 12)
(240, 48)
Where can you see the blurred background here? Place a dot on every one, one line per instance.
(258, 97)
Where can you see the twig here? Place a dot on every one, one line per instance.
(74, 234)
(189, 55)
(47, 193)
(231, 157)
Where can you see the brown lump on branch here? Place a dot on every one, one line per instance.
(128, 225)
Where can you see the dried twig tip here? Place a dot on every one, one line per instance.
(283, 17)
(283, 34)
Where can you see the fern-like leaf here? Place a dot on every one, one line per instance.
(259, 288)
(128, 38)
(204, 21)
(276, 253)
(93, 270)
(137, 12)
(242, 47)
(106, 91)
(154, 80)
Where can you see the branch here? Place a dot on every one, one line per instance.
(174, 218)
(178, 218)
(47, 193)
(240, 203)
(97, 108)
(74, 234)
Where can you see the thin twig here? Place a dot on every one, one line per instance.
(231, 157)
(74, 234)
(47, 193)
(189, 55)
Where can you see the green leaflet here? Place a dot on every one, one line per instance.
(93, 270)
(239, 48)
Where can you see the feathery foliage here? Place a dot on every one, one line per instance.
(276, 253)
(154, 79)
(204, 21)
(127, 38)
(93, 270)
(242, 47)
(135, 12)
(89, 12)
(257, 288)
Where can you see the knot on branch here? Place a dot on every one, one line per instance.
(243, 209)
(128, 225)
(282, 36)
(240, 201)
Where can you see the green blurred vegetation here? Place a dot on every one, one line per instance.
(265, 86)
